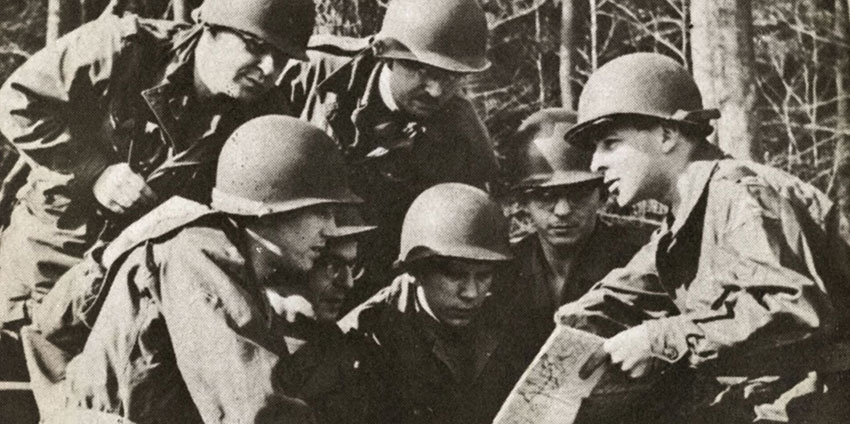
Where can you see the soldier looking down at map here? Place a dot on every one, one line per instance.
(394, 105)
(449, 347)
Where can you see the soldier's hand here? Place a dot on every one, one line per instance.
(121, 190)
(632, 352)
(596, 360)
(290, 307)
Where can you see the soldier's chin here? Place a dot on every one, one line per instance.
(246, 94)
(328, 314)
(457, 322)
(421, 109)
(621, 200)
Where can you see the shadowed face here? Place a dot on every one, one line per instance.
(456, 288)
(331, 278)
(236, 64)
(293, 241)
(421, 90)
(564, 216)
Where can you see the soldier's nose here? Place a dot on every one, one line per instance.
(596, 163)
(267, 64)
(562, 207)
(434, 89)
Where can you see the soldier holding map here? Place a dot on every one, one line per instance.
(747, 276)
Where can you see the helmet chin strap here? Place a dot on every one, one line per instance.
(266, 243)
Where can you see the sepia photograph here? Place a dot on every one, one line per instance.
(424, 211)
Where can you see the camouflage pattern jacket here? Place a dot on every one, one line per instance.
(751, 279)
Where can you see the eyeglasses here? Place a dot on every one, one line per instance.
(547, 198)
(334, 267)
(253, 44)
(423, 71)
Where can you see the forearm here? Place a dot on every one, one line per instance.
(626, 297)
(49, 106)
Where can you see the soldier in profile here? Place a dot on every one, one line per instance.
(748, 275)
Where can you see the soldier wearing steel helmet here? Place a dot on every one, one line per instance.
(449, 350)
(746, 277)
(569, 248)
(207, 304)
(121, 114)
(393, 104)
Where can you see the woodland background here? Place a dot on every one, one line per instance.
(777, 69)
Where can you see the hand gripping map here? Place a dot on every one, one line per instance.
(552, 391)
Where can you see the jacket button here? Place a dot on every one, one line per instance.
(671, 352)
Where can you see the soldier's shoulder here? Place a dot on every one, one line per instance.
(337, 45)
(524, 244)
(766, 188)
(164, 219)
(765, 179)
(389, 300)
(739, 172)
(131, 26)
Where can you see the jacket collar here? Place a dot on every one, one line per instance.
(486, 336)
(350, 75)
(694, 182)
(170, 97)
(692, 187)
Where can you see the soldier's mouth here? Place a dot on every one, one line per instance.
(612, 186)
(333, 302)
(563, 228)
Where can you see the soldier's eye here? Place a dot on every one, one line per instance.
(610, 143)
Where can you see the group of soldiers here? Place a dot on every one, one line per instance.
(235, 221)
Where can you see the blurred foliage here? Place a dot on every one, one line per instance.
(795, 45)
(796, 51)
(22, 24)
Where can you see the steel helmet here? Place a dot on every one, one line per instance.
(285, 24)
(646, 84)
(276, 163)
(454, 220)
(542, 159)
(447, 34)
(349, 223)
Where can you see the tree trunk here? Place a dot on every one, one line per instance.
(723, 58)
(182, 10)
(62, 17)
(91, 9)
(566, 55)
(842, 146)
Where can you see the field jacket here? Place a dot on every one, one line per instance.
(391, 157)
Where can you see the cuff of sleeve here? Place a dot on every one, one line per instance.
(667, 339)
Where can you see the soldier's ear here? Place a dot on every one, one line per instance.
(378, 47)
(670, 137)
(520, 213)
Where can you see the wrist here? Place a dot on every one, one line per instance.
(666, 340)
